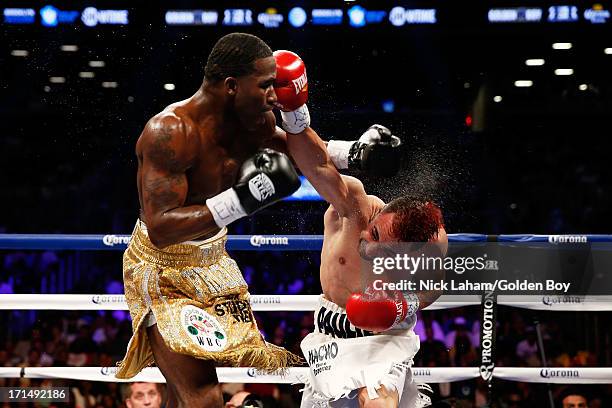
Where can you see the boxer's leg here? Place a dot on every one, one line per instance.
(172, 401)
(193, 381)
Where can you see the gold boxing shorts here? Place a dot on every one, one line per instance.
(200, 301)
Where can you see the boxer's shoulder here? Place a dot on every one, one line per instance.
(376, 203)
(169, 136)
(354, 184)
(366, 204)
(331, 219)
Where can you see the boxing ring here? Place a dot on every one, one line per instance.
(272, 302)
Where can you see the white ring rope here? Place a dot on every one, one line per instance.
(556, 375)
(268, 303)
(591, 375)
(562, 375)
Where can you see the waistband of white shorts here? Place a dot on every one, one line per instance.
(335, 323)
(328, 304)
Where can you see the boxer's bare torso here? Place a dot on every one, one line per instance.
(217, 151)
(193, 150)
(189, 153)
(344, 268)
(341, 263)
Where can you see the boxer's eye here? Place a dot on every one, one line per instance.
(375, 234)
(266, 84)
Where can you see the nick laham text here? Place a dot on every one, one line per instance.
(467, 286)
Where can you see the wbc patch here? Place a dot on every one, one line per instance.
(203, 329)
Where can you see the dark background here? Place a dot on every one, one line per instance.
(536, 162)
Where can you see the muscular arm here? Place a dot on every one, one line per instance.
(166, 154)
(310, 155)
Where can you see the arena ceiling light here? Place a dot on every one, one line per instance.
(57, 79)
(97, 64)
(608, 51)
(497, 98)
(69, 48)
(583, 87)
(562, 46)
(534, 62)
(109, 84)
(20, 53)
(564, 71)
(523, 83)
(86, 74)
(169, 87)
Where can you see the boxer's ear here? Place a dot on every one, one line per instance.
(231, 85)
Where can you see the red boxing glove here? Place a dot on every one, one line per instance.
(377, 310)
(291, 85)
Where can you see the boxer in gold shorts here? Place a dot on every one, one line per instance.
(200, 167)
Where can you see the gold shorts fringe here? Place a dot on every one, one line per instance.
(200, 301)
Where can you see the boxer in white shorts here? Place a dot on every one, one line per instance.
(365, 364)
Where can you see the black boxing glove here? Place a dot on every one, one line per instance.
(264, 179)
(376, 152)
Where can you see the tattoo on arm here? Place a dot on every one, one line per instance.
(162, 192)
(166, 159)
(161, 152)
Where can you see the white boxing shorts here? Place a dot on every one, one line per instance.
(343, 359)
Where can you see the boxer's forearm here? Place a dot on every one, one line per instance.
(310, 155)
